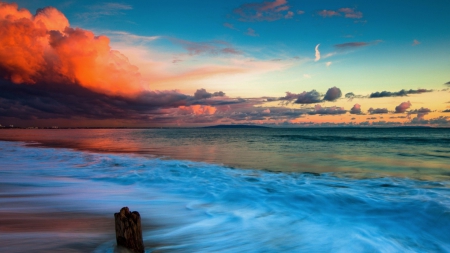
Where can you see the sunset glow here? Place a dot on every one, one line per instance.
(275, 63)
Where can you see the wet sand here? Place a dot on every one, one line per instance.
(53, 231)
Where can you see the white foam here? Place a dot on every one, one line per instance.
(200, 207)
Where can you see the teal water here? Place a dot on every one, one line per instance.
(236, 190)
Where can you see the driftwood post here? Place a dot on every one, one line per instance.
(128, 230)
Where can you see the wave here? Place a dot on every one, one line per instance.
(201, 207)
(386, 139)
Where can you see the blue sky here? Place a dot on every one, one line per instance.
(390, 27)
(259, 48)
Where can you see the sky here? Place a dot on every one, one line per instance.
(280, 63)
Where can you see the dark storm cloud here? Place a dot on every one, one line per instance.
(421, 110)
(441, 121)
(398, 93)
(378, 111)
(351, 45)
(202, 94)
(447, 83)
(44, 101)
(350, 95)
(308, 97)
(327, 110)
(312, 97)
(289, 96)
(333, 94)
(421, 113)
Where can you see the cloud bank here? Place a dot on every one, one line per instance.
(398, 93)
(44, 48)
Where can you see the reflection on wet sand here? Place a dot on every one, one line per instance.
(53, 231)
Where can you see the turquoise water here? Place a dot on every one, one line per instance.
(238, 190)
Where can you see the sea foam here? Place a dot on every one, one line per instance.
(200, 207)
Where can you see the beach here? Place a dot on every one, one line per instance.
(60, 188)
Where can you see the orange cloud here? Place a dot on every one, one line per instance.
(198, 109)
(44, 48)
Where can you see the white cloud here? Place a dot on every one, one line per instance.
(317, 52)
(328, 63)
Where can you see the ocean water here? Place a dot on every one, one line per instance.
(227, 190)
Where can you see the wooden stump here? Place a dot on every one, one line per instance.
(128, 230)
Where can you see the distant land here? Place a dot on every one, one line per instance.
(218, 126)
(236, 126)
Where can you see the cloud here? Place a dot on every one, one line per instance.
(273, 115)
(415, 42)
(203, 94)
(447, 83)
(347, 12)
(328, 64)
(351, 13)
(310, 97)
(401, 108)
(313, 96)
(328, 13)
(198, 109)
(422, 110)
(307, 76)
(35, 53)
(317, 53)
(231, 26)
(300, 12)
(289, 96)
(212, 47)
(130, 38)
(351, 45)
(333, 94)
(378, 110)
(421, 113)
(400, 93)
(356, 109)
(289, 15)
(350, 95)
(318, 109)
(43, 101)
(447, 110)
(69, 101)
(251, 32)
(440, 121)
(265, 11)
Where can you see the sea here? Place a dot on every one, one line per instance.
(227, 189)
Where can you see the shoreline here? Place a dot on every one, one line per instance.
(52, 200)
(160, 153)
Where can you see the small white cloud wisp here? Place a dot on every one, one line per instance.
(317, 53)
